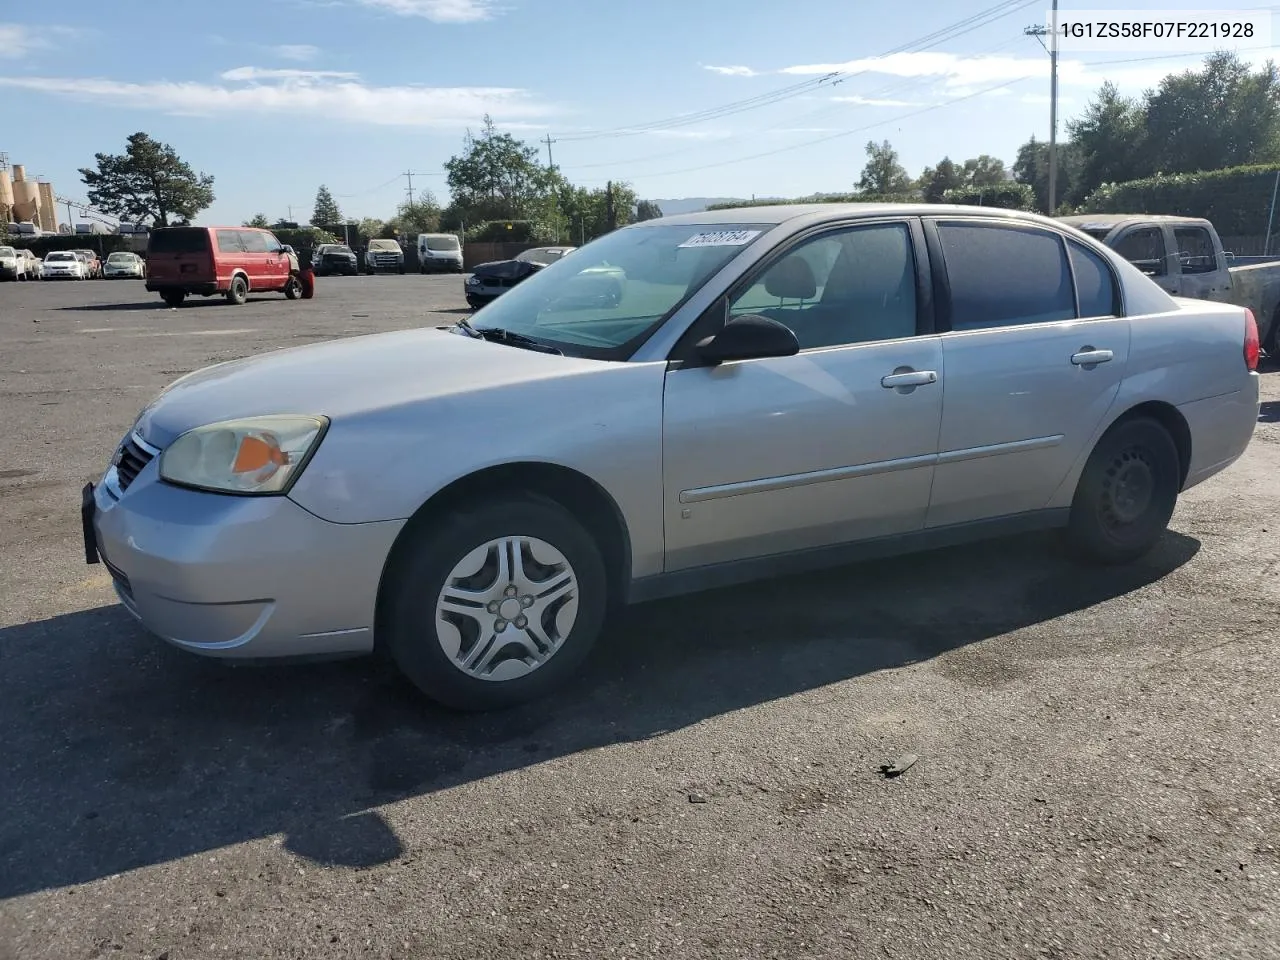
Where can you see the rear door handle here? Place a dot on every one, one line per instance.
(912, 378)
(1088, 357)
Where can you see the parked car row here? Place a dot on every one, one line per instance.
(22, 264)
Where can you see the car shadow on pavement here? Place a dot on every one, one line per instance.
(120, 753)
(156, 304)
(1269, 411)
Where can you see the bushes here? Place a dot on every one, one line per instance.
(1007, 196)
(1237, 199)
(101, 243)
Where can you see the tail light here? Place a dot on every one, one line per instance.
(1251, 344)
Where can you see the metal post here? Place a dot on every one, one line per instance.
(1053, 110)
(1266, 243)
(551, 164)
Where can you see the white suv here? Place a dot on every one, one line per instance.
(13, 265)
(383, 255)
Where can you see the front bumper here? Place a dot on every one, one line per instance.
(237, 577)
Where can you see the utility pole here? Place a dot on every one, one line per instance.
(409, 175)
(1038, 32)
(610, 215)
(551, 164)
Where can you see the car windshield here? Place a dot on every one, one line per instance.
(442, 243)
(55, 257)
(8, 252)
(120, 258)
(542, 255)
(384, 245)
(605, 299)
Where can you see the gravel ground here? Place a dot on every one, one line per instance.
(1099, 751)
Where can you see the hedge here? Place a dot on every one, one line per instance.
(1007, 196)
(511, 231)
(101, 243)
(1237, 200)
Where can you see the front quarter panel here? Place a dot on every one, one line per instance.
(604, 422)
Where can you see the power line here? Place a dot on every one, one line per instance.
(959, 28)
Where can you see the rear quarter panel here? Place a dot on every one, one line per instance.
(1257, 286)
(605, 423)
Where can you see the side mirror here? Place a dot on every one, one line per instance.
(749, 337)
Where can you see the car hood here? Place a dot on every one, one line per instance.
(504, 269)
(346, 378)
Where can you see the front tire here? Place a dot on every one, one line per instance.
(293, 288)
(495, 604)
(1126, 494)
(238, 292)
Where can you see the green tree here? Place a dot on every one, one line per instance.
(984, 171)
(647, 210)
(934, 182)
(148, 182)
(1223, 115)
(371, 227)
(1111, 137)
(883, 175)
(1032, 168)
(497, 177)
(326, 210)
(258, 220)
(421, 216)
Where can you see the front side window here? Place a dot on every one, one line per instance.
(253, 241)
(855, 285)
(1195, 250)
(1003, 276)
(270, 243)
(1144, 248)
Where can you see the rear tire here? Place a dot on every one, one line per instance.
(293, 288)
(1126, 494)
(238, 292)
(558, 597)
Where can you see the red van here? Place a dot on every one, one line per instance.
(232, 261)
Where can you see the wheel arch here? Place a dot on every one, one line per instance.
(239, 272)
(1169, 417)
(571, 489)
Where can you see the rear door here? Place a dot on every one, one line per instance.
(231, 256)
(1034, 352)
(181, 255)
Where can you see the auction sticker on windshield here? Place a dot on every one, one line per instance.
(722, 238)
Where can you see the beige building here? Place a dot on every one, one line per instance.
(27, 201)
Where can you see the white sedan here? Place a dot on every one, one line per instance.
(63, 265)
(123, 264)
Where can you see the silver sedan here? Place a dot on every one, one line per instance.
(776, 389)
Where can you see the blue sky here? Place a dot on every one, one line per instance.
(274, 97)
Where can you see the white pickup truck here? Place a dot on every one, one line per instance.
(1184, 255)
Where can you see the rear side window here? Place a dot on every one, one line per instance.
(1195, 250)
(179, 240)
(1004, 276)
(1095, 283)
(229, 241)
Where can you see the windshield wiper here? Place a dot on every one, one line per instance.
(499, 335)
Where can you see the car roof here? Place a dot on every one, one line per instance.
(822, 212)
(1115, 219)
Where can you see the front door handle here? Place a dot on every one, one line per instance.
(910, 378)
(1089, 357)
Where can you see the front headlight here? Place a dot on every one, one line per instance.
(256, 455)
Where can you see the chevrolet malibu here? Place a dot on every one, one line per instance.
(775, 390)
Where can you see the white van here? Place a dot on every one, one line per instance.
(439, 252)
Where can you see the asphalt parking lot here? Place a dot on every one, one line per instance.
(1099, 751)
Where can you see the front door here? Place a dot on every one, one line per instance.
(1033, 361)
(831, 445)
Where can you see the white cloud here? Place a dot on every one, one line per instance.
(18, 40)
(300, 52)
(873, 102)
(439, 11)
(268, 73)
(735, 71)
(312, 94)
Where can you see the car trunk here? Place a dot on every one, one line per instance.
(180, 255)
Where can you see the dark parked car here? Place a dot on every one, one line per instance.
(600, 285)
(331, 258)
